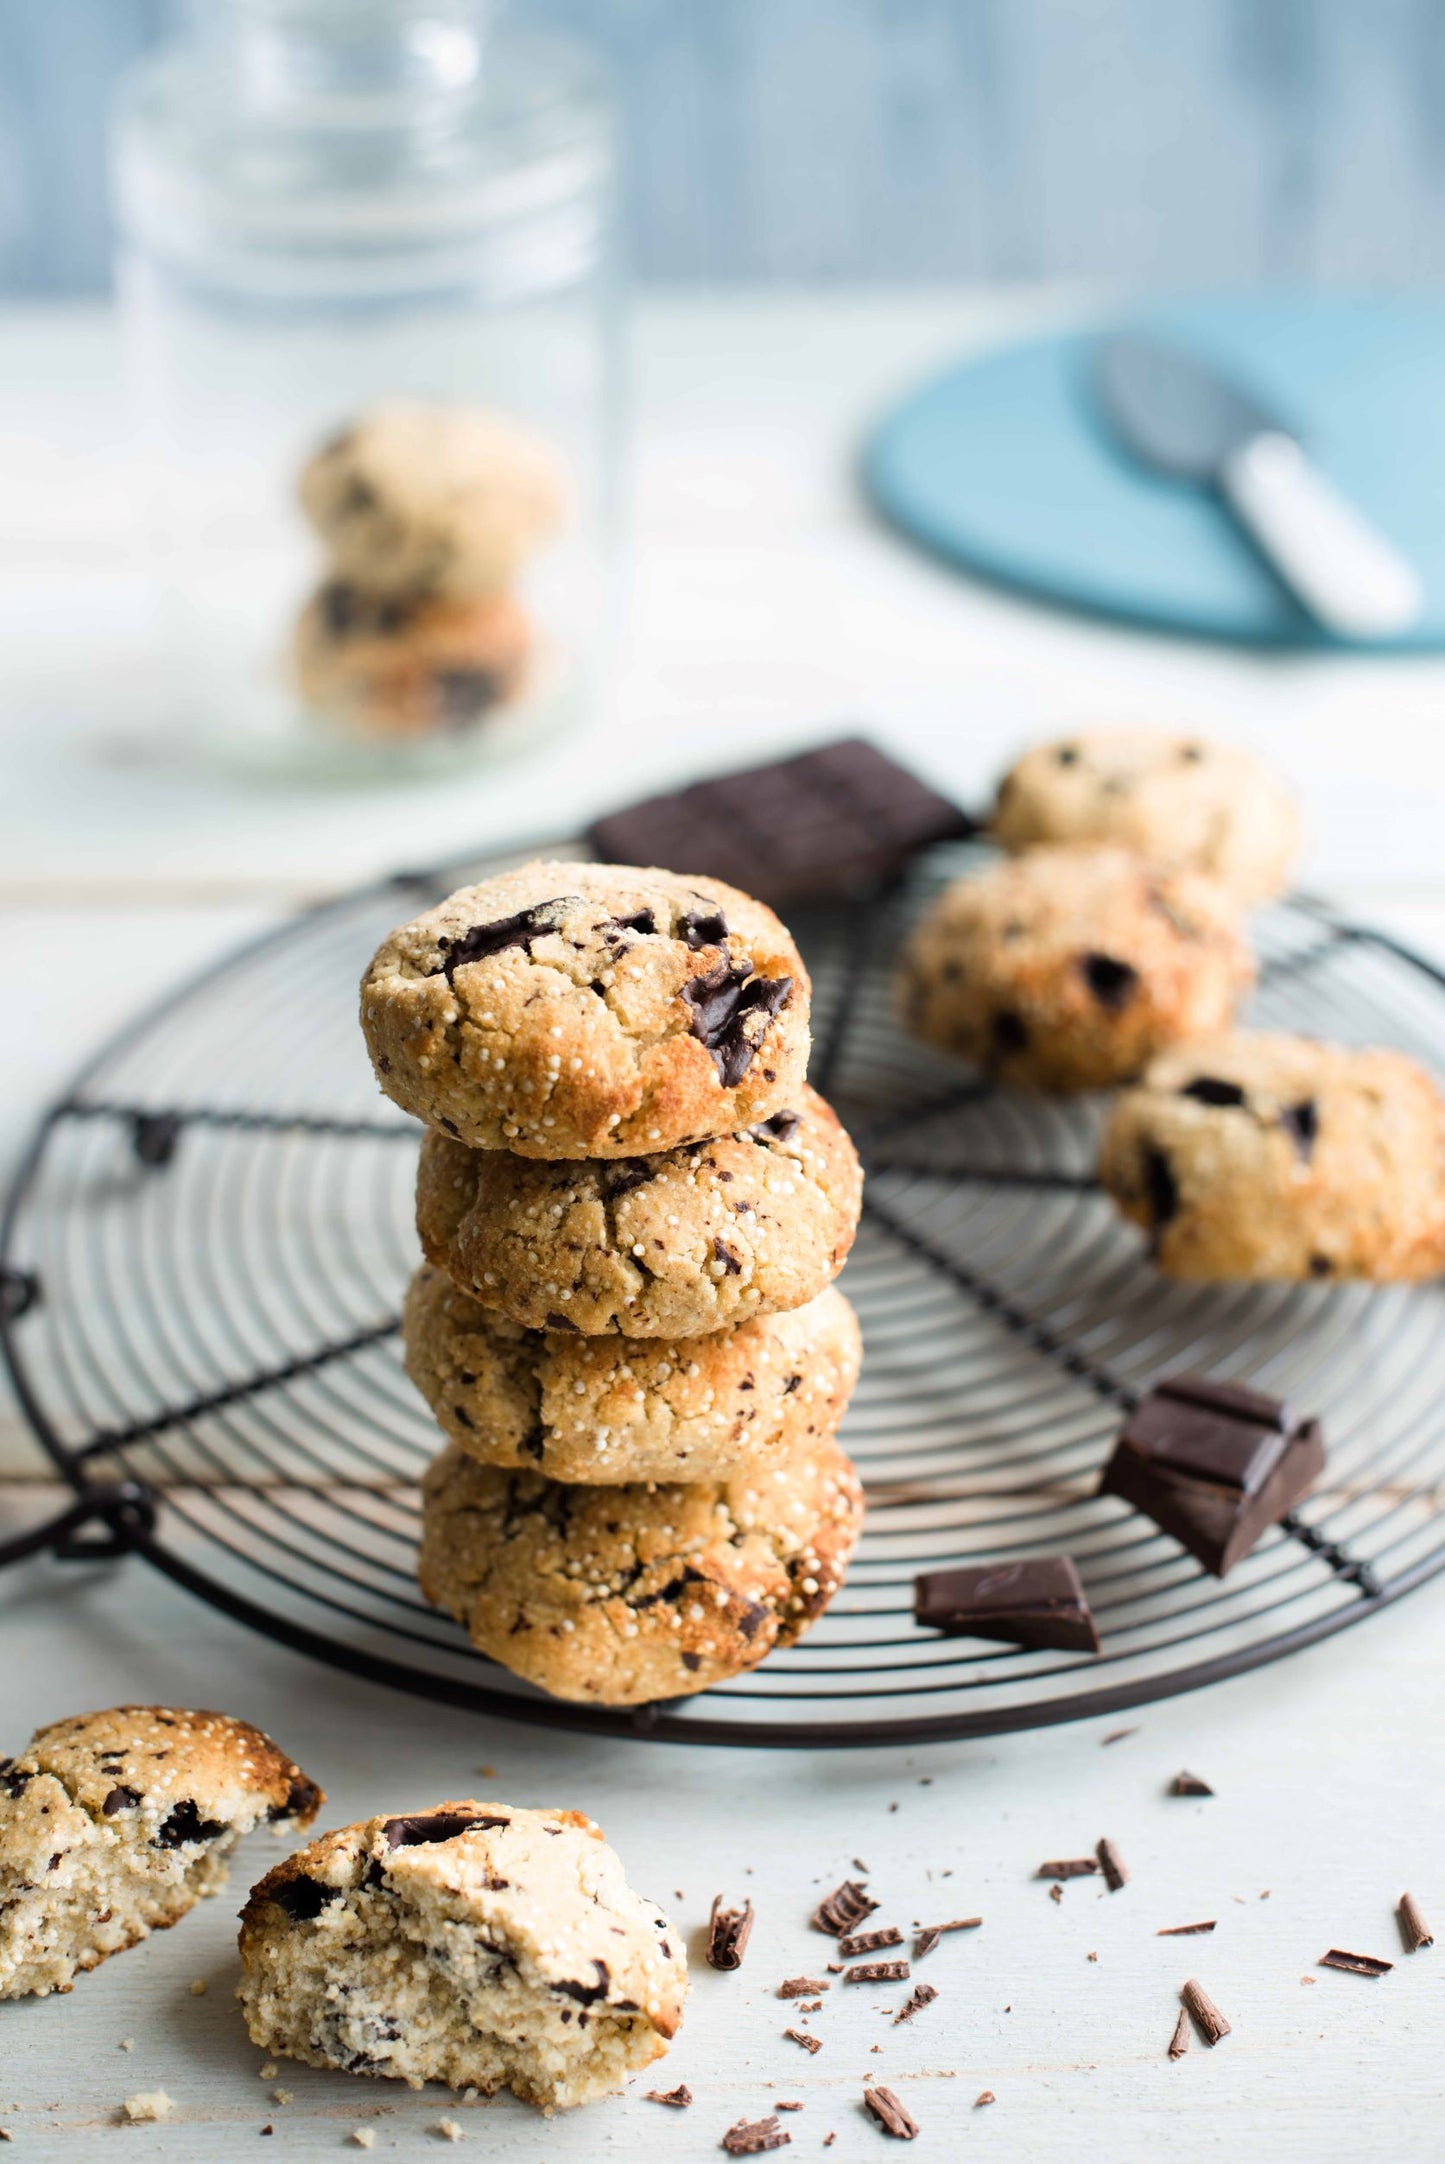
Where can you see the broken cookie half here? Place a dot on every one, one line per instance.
(472, 1944)
(114, 1824)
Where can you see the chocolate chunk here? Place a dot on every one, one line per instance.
(702, 928)
(12, 1781)
(1214, 1465)
(432, 1826)
(463, 694)
(723, 1001)
(829, 822)
(1069, 1867)
(1036, 1603)
(1357, 1964)
(730, 1262)
(534, 1443)
(119, 1799)
(1414, 1930)
(843, 1910)
(802, 1987)
(521, 930)
(1208, 2019)
(1179, 2041)
(801, 2036)
(922, 1995)
(869, 1942)
(642, 920)
(1113, 1866)
(752, 2137)
(1161, 1189)
(185, 1825)
(341, 607)
(1208, 1089)
(890, 2114)
(878, 1972)
(728, 1934)
(586, 1994)
(679, 2098)
(303, 1898)
(621, 1179)
(1301, 1123)
(780, 1128)
(1189, 1784)
(1009, 1033)
(303, 1800)
(1113, 983)
(1067, 755)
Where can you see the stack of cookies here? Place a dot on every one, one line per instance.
(632, 1208)
(428, 515)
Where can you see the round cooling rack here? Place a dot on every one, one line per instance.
(206, 1249)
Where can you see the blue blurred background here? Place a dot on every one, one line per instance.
(1173, 142)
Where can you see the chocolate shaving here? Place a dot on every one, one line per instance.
(802, 1987)
(921, 1995)
(868, 1942)
(1184, 1931)
(679, 2098)
(801, 2036)
(890, 2114)
(779, 2105)
(1056, 1893)
(843, 1909)
(1357, 1964)
(879, 1972)
(727, 1935)
(1210, 2023)
(930, 1934)
(1189, 1784)
(752, 2137)
(1113, 1866)
(1069, 1867)
(1179, 2041)
(985, 2096)
(1117, 1735)
(1413, 1928)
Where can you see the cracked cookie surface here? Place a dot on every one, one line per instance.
(418, 499)
(471, 1943)
(619, 1596)
(1270, 1156)
(114, 1824)
(589, 1010)
(602, 1409)
(1183, 802)
(672, 1246)
(1069, 968)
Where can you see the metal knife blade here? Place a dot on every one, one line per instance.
(1174, 412)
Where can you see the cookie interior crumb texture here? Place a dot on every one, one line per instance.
(625, 1595)
(473, 1944)
(676, 1245)
(114, 1824)
(568, 1010)
(608, 1409)
(148, 2105)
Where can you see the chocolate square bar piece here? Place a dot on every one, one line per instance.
(1031, 1604)
(1214, 1464)
(830, 822)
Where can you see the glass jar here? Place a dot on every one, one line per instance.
(369, 294)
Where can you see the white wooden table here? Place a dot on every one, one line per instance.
(765, 608)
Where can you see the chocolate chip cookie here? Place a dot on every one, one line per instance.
(389, 667)
(113, 1825)
(419, 499)
(619, 1596)
(1264, 1156)
(1180, 801)
(672, 1246)
(1069, 968)
(601, 1410)
(470, 1943)
(589, 1010)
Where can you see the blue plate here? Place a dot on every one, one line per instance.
(1003, 466)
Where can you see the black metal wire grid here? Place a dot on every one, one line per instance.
(205, 1249)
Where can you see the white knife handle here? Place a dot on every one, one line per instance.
(1349, 577)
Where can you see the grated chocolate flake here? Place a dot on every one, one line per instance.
(1210, 2023)
(1117, 1735)
(1179, 2041)
(930, 1934)
(921, 1995)
(1056, 1893)
(985, 2096)
(1189, 1784)
(844, 1909)
(879, 1972)
(890, 2114)
(727, 1934)
(868, 1942)
(802, 1987)
(679, 2098)
(1185, 1931)
(801, 2036)
(1357, 1964)
(1413, 1928)
(750, 2137)
(1069, 1867)
(779, 2105)
(1113, 1866)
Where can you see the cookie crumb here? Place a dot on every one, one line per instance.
(282, 2096)
(127, 2043)
(199, 1987)
(449, 2129)
(363, 2137)
(269, 2071)
(147, 2105)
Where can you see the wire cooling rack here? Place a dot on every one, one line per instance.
(205, 1252)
